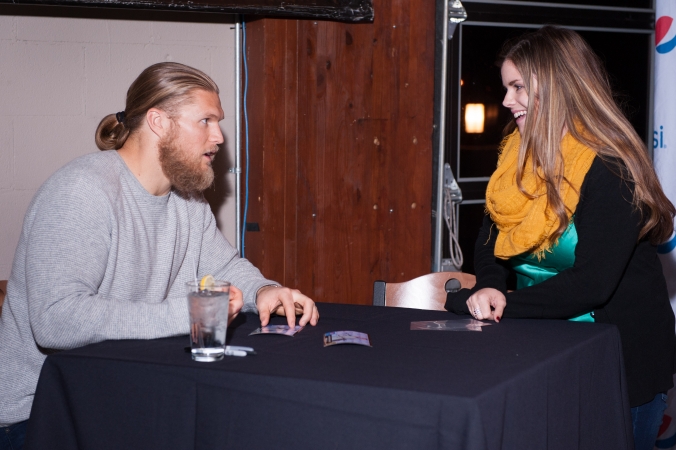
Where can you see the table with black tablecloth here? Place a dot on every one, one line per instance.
(519, 384)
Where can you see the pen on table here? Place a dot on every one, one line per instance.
(232, 350)
(237, 348)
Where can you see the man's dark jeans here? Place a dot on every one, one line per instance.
(12, 437)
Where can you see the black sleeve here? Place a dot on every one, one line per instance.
(490, 272)
(607, 226)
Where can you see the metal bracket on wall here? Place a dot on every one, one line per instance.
(456, 14)
(452, 185)
(452, 194)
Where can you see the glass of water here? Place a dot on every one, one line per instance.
(208, 310)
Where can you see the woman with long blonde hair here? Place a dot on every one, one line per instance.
(575, 212)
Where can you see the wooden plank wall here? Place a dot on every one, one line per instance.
(340, 128)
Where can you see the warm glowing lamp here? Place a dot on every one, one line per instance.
(474, 117)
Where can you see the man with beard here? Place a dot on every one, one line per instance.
(110, 240)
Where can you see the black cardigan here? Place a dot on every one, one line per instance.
(617, 276)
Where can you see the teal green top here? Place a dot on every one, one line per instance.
(530, 271)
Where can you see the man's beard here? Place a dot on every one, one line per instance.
(185, 173)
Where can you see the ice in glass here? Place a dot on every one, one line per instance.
(208, 310)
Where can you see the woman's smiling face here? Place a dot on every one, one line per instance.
(516, 97)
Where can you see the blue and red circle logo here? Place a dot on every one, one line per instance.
(662, 27)
(665, 442)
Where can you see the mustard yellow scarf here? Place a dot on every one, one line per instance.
(525, 224)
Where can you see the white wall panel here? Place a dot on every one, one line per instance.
(60, 76)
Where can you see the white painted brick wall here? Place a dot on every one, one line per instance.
(60, 76)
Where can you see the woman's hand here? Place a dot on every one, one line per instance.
(487, 304)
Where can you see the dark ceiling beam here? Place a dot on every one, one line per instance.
(335, 10)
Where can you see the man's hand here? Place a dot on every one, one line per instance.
(285, 302)
(487, 303)
(236, 303)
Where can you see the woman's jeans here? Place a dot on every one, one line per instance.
(647, 419)
(12, 437)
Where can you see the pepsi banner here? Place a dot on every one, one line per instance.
(664, 147)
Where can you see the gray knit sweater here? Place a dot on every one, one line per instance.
(100, 258)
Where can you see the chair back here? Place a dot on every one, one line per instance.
(425, 292)
(3, 292)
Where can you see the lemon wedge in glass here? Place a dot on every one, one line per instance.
(207, 283)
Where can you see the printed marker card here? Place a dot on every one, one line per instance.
(450, 325)
(346, 337)
(277, 329)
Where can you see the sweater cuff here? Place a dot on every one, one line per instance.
(456, 302)
(250, 300)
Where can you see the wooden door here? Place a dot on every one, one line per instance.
(340, 142)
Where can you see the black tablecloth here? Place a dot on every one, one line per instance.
(519, 384)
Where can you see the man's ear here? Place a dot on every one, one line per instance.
(158, 122)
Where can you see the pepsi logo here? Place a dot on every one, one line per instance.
(662, 28)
